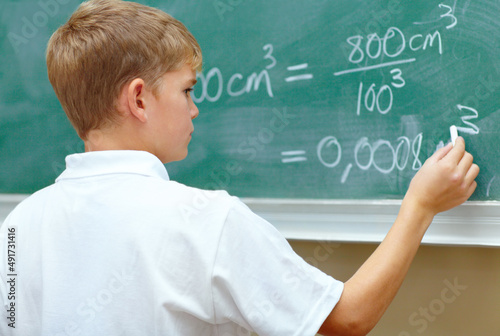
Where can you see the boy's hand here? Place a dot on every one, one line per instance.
(446, 180)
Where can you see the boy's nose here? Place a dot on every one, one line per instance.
(194, 111)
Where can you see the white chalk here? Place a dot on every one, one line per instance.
(454, 134)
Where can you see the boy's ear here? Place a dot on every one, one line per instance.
(136, 99)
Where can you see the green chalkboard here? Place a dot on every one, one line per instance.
(298, 99)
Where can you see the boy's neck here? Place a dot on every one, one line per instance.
(117, 138)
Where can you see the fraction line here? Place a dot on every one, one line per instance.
(371, 67)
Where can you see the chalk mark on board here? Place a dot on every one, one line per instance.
(293, 156)
(467, 4)
(450, 14)
(372, 67)
(489, 186)
(298, 77)
(345, 174)
(427, 22)
(297, 67)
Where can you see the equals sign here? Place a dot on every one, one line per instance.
(298, 77)
(293, 156)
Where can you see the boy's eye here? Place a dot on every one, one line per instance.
(188, 91)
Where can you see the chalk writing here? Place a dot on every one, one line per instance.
(252, 82)
(391, 51)
(472, 129)
(367, 154)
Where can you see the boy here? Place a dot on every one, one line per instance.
(107, 249)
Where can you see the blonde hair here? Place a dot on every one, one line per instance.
(105, 45)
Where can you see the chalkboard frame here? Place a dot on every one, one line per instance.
(475, 223)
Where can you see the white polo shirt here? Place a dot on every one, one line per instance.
(116, 248)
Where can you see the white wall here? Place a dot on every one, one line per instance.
(473, 311)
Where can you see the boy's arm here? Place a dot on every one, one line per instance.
(447, 179)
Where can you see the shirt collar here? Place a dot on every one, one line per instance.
(113, 162)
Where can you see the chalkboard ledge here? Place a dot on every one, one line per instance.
(365, 221)
(358, 221)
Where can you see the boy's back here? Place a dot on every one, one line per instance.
(114, 248)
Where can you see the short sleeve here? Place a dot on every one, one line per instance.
(260, 283)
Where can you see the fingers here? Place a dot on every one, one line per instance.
(458, 151)
(465, 163)
(469, 171)
(472, 188)
(471, 174)
(442, 152)
(465, 168)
